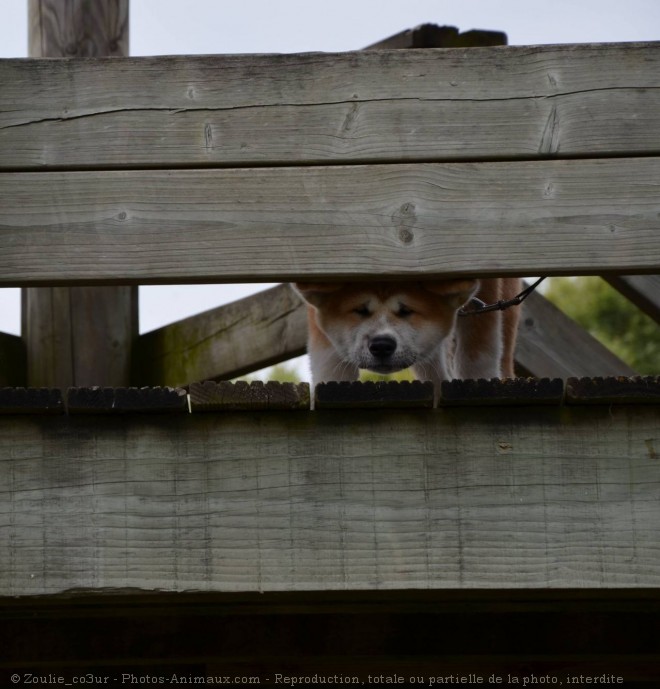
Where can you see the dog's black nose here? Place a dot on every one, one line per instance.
(382, 346)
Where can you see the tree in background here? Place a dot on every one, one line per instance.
(611, 318)
(282, 373)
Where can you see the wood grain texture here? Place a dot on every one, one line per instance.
(78, 335)
(374, 395)
(638, 390)
(550, 344)
(78, 28)
(382, 221)
(373, 106)
(423, 499)
(254, 395)
(642, 290)
(508, 391)
(226, 342)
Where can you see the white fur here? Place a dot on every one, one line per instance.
(420, 323)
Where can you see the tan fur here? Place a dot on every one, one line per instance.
(389, 326)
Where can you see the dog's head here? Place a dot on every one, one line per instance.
(387, 326)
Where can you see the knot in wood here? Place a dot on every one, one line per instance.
(404, 220)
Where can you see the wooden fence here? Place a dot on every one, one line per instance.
(386, 164)
(378, 164)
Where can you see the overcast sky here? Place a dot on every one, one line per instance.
(159, 27)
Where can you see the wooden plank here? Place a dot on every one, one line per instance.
(374, 395)
(434, 36)
(639, 390)
(386, 221)
(78, 29)
(371, 106)
(13, 362)
(81, 335)
(226, 342)
(343, 500)
(242, 396)
(552, 345)
(97, 400)
(31, 401)
(642, 290)
(513, 391)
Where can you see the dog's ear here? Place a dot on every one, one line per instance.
(315, 292)
(455, 292)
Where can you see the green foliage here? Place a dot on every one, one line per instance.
(284, 373)
(407, 374)
(611, 318)
(280, 372)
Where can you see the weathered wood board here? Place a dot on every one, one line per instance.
(269, 224)
(550, 344)
(512, 497)
(78, 335)
(96, 29)
(642, 290)
(228, 341)
(210, 396)
(372, 106)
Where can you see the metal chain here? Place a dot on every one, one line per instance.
(481, 307)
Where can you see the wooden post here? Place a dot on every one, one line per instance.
(79, 336)
(78, 28)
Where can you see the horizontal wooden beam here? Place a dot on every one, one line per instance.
(509, 497)
(281, 224)
(371, 106)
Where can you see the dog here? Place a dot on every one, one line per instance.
(390, 326)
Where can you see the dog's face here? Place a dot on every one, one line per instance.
(386, 327)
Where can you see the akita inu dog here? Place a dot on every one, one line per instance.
(390, 326)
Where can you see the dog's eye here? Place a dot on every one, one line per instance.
(404, 311)
(362, 311)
